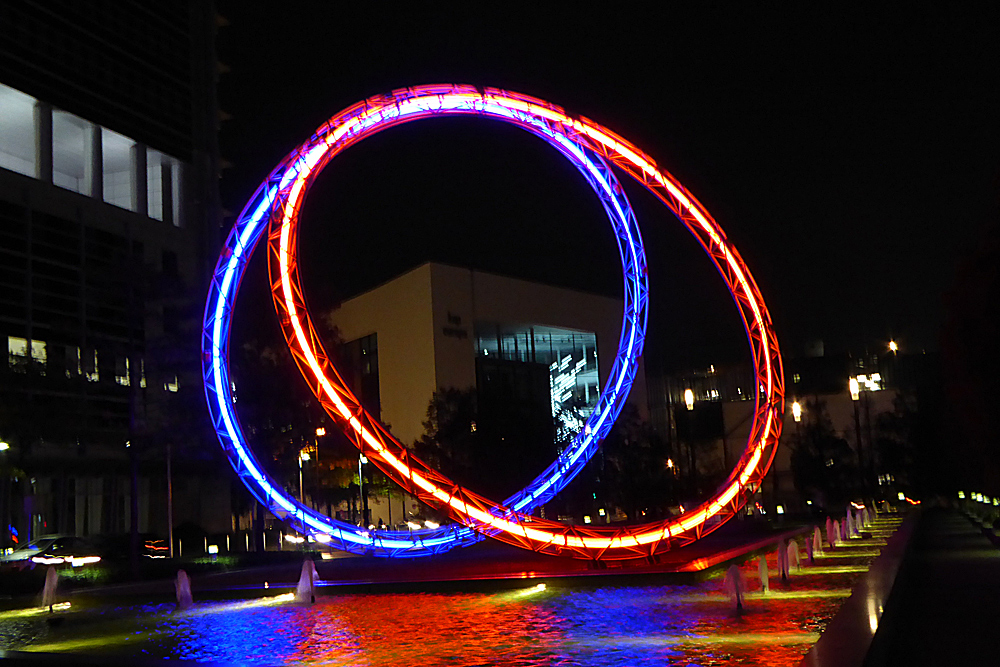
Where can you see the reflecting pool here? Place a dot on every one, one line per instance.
(537, 625)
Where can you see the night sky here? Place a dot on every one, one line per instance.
(850, 156)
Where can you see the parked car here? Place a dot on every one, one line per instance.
(53, 550)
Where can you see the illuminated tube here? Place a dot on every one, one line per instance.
(589, 147)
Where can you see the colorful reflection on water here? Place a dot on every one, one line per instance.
(614, 625)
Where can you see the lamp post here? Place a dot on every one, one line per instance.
(303, 456)
(317, 486)
(362, 501)
(797, 417)
(4, 497)
(855, 396)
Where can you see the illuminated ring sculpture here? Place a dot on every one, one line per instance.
(280, 197)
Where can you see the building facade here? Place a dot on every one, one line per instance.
(534, 354)
(109, 211)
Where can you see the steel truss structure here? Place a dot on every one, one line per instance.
(590, 148)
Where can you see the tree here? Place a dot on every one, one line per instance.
(636, 476)
(823, 464)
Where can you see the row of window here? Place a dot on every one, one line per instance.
(24, 355)
(88, 159)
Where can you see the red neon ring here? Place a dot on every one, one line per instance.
(437, 490)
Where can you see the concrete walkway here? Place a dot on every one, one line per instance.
(945, 603)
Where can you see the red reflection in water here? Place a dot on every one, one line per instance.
(427, 629)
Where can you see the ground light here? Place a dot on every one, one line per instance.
(592, 149)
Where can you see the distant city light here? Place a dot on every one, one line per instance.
(213, 548)
(303, 455)
(780, 509)
(689, 399)
(432, 524)
(670, 463)
(4, 446)
(797, 411)
(586, 518)
(320, 432)
(893, 347)
(855, 389)
(901, 495)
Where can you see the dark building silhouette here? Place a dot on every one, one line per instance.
(109, 213)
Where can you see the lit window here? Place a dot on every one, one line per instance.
(17, 131)
(17, 351)
(90, 367)
(172, 386)
(118, 171)
(162, 188)
(71, 152)
(796, 378)
(74, 363)
(121, 371)
(39, 355)
(154, 183)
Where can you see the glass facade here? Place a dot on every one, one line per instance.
(17, 131)
(87, 159)
(571, 359)
(71, 152)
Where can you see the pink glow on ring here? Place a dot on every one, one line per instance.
(545, 532)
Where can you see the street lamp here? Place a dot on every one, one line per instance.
(362, 459)
(689, 399)
(855, 395)
(303, 456)
(893, 347)
(797, 412)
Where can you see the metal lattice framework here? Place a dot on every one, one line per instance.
(590, 147)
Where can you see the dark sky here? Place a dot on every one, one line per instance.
(849, 155)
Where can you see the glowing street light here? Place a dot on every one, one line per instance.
(893, 347)
(797, 411)
(855, 389)
(689, 399)
(320, 432)
(303, 456)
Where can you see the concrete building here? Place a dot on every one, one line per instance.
(109, 211)
(543, 348)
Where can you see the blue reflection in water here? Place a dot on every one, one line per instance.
(633, 625)
(652, 625)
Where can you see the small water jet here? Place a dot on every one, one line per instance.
(49, 589)
(306, 590)
(735, 585)
(783, 560)
(762, 566)
(817, 543)
(831, 535)
(182, 587)
(792, 556)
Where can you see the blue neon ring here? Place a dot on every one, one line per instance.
(313, 156)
